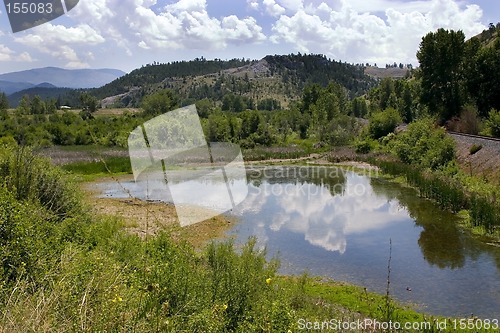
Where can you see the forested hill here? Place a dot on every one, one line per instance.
(319, 69)
(157, 72)
(280, 78)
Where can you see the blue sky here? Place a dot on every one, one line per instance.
(126, 34)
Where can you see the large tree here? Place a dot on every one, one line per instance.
(484, 78)
(441, 57)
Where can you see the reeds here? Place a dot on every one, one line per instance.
(448, 193)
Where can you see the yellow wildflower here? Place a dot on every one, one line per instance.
(268, 280)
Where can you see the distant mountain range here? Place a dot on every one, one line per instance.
(51, 77)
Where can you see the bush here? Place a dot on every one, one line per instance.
(424, 145)
(475, 148)
(383, 123)
(493, 123)
(363, 146)
(33, 178)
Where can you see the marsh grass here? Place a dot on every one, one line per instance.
(109, 165)
(449, 193)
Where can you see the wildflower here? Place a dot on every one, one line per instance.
(225, 306)
(268, 280)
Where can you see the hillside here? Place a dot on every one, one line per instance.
(279, 77)
(392, 72)
(488, 36)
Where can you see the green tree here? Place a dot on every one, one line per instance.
(159, 103)
(204, 107)
(383, 123)
(4, 102)
(487, 82)
(24, 105)
(37, 106)
(359, 108)
(406, 108)
(89, 102)
(386, 94)
(424, 144)
(441, 56)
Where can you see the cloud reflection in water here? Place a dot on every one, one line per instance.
(324, 219)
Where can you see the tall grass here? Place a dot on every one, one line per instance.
(449, 193)
(33, 178)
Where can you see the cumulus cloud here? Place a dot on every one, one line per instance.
(60, 42)
(185, 24)
(253, 4)
(272, 8)
(6, 54)
(344, 31)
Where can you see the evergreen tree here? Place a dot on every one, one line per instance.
(4, 102)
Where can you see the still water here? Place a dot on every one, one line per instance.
(339, 224)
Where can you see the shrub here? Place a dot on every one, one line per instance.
(424, 145)
(493, 123)
(33, 178)
(383, 123)
(363, 146)
(475, 148)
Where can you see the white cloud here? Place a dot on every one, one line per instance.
(272, 8)
(5, 53)
(292, 5)
(60, 42)
(253, 4)
(185, 24)
(343, 32)
(25, 57)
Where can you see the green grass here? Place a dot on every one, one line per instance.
(110, 165)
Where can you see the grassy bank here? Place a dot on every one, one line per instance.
(481, 211)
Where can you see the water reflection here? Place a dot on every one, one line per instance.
(324, 210)
(441, 241)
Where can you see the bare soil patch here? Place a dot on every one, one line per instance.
(146, 219)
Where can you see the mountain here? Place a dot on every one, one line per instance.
(59, 77)
(12, 87)
(277, 77)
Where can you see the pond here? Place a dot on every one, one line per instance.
(339, 224)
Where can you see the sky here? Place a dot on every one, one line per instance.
(126, 34)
